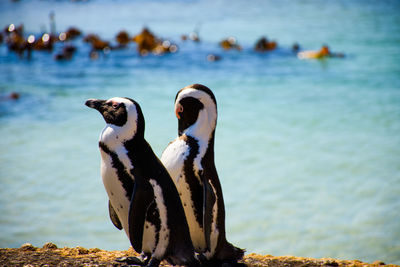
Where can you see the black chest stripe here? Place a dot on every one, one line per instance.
(123, 175)
(195, 187)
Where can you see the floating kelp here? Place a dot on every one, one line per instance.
(263, 44)
(324, 52)
(230, 44)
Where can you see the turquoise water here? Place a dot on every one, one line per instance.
(308, 152)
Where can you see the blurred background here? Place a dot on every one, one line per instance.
(307, 143)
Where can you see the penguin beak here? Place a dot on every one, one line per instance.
(95, 103)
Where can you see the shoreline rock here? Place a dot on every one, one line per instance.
(50, 255)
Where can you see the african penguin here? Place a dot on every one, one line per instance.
(190, 162)
(143, 199)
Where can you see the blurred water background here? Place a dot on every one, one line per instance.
(308, 151)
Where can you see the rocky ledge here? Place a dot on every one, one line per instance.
(50, 255)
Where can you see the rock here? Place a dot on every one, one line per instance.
(94, 250)
(28, 247)
(123, 38)
(82, 250)
(331, 263)
(80, 256)
(72, 33)
(49, 245)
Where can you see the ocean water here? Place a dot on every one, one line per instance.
(308, 151)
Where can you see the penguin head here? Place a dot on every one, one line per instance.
(196, 110)
(122, 115)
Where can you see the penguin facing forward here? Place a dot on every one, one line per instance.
(143, 199)
(190, 162)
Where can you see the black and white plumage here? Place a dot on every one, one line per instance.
(143, 199)
(190, 162)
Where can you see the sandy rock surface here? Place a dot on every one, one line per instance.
(50, 255)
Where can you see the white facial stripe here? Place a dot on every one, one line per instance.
(120, 100)
(202, 96)
(207, 119)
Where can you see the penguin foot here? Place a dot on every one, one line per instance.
(131, 261)
(200, 257)
(154, 263)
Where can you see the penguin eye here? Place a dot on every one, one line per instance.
(115, 105)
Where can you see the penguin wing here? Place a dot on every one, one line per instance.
(142, 197)
(113, 216)
(208, 204)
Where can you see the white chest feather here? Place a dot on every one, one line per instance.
(115, 190)
(195, 228)
(174, 157)
(120, 201)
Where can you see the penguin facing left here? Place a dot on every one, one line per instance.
(143, 199)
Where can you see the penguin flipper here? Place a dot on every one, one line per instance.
(113, 216)
(208, 204)
(142, 197)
